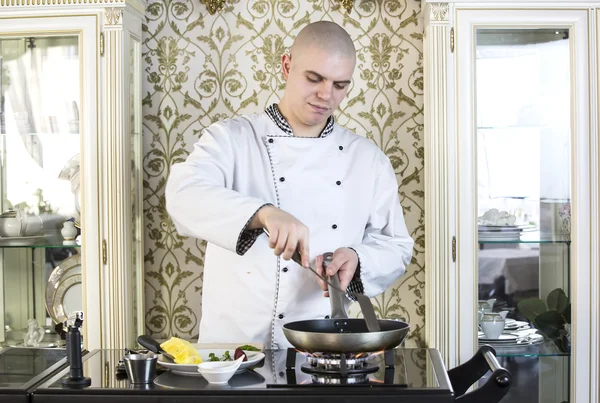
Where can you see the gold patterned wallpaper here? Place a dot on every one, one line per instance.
(203, 66)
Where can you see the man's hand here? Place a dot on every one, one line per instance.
(344, 262)
(287, 233)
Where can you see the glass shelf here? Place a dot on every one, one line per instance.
(546, 349)
(77, 135)
(531, 237)
(52, 241)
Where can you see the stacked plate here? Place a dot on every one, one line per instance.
(516, 339)
(511, 325)
(499, 232)
(503, 232)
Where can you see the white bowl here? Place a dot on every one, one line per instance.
(219, 372)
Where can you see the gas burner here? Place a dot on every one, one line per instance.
(338, 364)
(329, 362)
(338, 380)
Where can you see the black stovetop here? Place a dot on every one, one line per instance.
(419, 373)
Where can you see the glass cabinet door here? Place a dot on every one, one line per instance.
(137, 229)
(523, 147)
(40, 146)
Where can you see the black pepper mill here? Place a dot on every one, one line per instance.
(75, 380)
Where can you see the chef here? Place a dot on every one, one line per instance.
(312, 184)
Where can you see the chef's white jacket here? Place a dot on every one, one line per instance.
(342, 187)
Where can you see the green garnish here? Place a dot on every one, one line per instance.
(225, 357)
(248, 347)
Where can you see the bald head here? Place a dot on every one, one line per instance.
(318, 72)
(325, 35)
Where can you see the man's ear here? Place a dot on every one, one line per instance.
(286, 65)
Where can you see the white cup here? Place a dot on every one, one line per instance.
(492, 324)
(492, 330)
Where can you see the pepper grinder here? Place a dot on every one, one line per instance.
(75, 380)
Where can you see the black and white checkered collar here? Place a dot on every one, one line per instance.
(276, 116)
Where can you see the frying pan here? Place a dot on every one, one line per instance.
(341, 334)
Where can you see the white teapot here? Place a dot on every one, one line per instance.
(15, 223)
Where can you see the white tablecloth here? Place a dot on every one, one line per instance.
(520, 267)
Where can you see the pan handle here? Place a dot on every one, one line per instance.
(336, 298)
(466, 374)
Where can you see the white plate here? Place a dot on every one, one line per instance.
(533, 340)
(516, 329)
(504, 338)
(63, 290)
(515, 325)
(254, 357)
(494, 236)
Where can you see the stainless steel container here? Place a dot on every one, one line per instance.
(140, 368)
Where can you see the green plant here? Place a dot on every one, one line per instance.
(552, 318)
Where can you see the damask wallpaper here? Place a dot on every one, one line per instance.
(202, 67)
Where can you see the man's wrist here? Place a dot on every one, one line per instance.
(258, 221)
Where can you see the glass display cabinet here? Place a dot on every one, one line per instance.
(523, 137)
(41, 188)
(512, 147)
(70, 128)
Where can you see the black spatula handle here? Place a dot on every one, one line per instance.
(150, 343)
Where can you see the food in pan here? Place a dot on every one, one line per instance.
(182, 351)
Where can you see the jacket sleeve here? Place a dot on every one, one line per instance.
(386, 248)
(200, 199)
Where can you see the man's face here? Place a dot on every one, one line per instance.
(317, 81)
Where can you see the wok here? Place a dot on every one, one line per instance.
(341, 334)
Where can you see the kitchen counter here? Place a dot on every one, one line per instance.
(403, 375)
(22, 369)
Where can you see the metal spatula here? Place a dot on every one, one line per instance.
(365, 302)
(333, 282)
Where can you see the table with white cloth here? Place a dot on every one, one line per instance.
(518, 266)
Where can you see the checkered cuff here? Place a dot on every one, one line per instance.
(356, 285)
(247, 236)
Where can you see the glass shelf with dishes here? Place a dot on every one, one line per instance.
(523, 193)
(532, 237)
(40, 148)
(39, 287)
(545, 349)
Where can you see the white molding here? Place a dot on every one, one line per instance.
(594, 219)
(442, 300)
(53, 5)
(521, 4)
(120, 331)
(113, 17)
(438, 12)
(114, 166)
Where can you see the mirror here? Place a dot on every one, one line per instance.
(40, 140)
